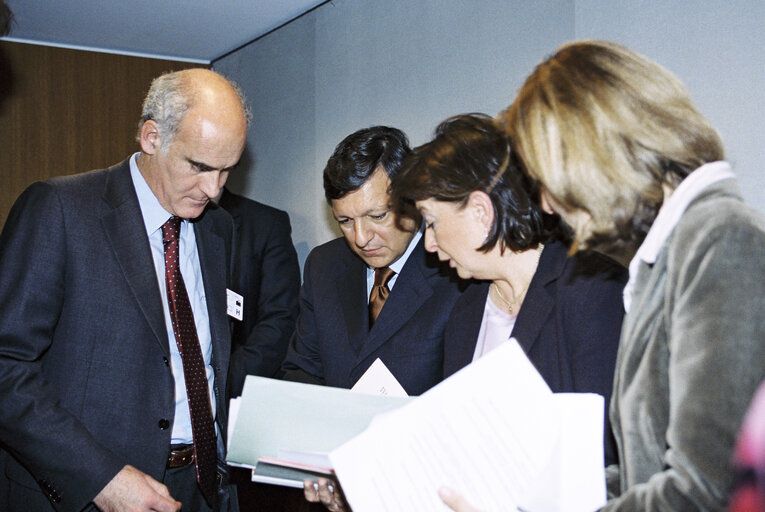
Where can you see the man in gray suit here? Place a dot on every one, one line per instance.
(99, 275)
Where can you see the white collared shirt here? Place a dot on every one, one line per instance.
(154, 215)
(669, 215)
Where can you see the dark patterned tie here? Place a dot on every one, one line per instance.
(379, 293)
(194, 374)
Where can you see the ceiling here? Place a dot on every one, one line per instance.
(187, 30)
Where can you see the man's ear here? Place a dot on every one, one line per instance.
(149, 137)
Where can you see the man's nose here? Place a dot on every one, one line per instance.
(211, 183)
(363, 233)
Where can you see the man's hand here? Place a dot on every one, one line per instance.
(455, 501)
(321, 492)
(134, 491)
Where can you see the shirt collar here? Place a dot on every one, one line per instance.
(154, 215)
(669, 215)
(397, 265)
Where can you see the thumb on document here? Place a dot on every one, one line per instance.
(455, 501)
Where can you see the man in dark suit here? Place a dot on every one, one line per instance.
(106, 278)
(338, 335)
(267, 274)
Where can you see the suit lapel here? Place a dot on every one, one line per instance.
(126, 232)
(465, 329)
(540, 299)
(352, 294)
(211, 246)
(410, 292)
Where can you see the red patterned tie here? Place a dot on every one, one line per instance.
(185, 331)
(379, 293)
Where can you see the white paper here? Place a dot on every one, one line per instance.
(490, 432)
(233, 412)
(577, 458)
(378, 380)
(279, 415)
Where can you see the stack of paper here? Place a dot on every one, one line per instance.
(494, 432)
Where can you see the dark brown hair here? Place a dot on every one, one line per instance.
(470, 152)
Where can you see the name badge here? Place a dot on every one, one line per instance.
(234, 304)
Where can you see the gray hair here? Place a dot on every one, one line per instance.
(169, 98)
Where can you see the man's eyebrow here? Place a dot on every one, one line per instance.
(204, 167)
(200, 165)
(369, 212)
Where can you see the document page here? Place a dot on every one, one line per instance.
(378, 380)
(490, 432)
(278, 415)
(575, 471)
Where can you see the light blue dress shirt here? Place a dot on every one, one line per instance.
(154, 215)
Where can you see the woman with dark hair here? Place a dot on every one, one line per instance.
(481, 214)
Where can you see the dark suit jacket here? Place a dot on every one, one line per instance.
(333, 344)
(85, 382)
(568, 325)
(267, 275)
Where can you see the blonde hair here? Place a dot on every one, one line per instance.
(603, 129)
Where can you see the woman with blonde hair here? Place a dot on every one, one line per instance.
(628, 161)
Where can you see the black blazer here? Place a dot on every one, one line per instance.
(333, 344)
(267, 275)
(568, 325)
(85, 384)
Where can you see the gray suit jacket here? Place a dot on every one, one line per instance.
(85, 383)
(691, 355)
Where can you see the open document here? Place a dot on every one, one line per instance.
(286, 429)
(494, 432)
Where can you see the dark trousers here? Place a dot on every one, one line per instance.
(257, 497)
(182, 484)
